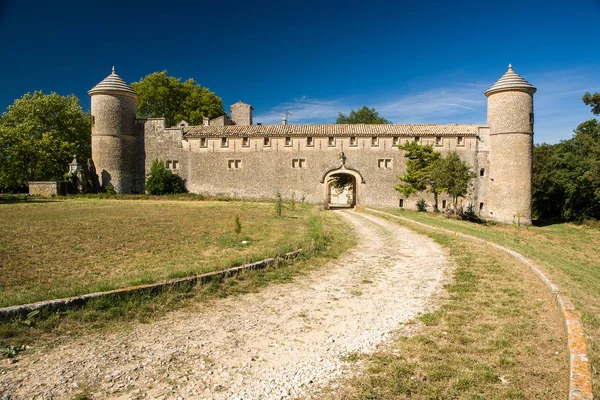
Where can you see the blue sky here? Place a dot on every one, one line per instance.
(418, 61)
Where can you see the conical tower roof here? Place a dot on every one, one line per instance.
(111, 84)
(509, 81)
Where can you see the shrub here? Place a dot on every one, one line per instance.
(469, 214)
(161, 180)
(421, 206)
(237, 225)
(278, 205)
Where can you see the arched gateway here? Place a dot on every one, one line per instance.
(342, 187)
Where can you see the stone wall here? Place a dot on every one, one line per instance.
(47, 188)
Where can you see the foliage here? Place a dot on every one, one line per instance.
(421, 206)
(421, 171)
(341, 181)
(592, 100)
(161, 180)
(364, 115)
(161, 95)
(39, 135)
(566, 176)
(469, 214)
(278, 204)
(454, 176)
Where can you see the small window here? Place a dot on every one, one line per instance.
(202, 142)
(401, 203)
(395, 141)
(460, 141)
(234, 164)
(168, 164)
(267, 142)
(384, 163)
(288, 141)
(331, 141)
(310, 141)
(93, 121)
(374, 141)
(438, 141)
(224, 142)
(443, 204)
(245, 142)
(353, 141)
(482, 172)
(175, 164)
(298, 163)
(418, 139)
(480, 206)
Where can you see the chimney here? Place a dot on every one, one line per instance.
(284, 121)
(205, 121)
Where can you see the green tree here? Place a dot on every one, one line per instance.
(453, 175)
(161, 180)
(422, 172)
(161, 96)
(365, 115)
(39, 136)
(592, 100)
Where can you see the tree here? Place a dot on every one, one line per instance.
(161, 180)
(161, 96)
(592, 100)
(365, 115)
(422, 172)
(39, 135)
(453, 175)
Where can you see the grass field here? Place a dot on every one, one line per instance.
(59, 248)
(570, 254)
(497, 335)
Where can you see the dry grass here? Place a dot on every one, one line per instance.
(53, 249)
(569, 253)
(497, 335)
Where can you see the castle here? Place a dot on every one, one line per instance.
(232, 157)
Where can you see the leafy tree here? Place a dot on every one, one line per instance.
(453, 175)
(161, 180)
(422, 172)
(161, 95)
(592, 100)
(566, 180)
(365, 115)
(39, 135)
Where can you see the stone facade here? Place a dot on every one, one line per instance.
(47, 188)
(232, 157)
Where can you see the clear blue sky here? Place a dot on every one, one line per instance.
(415, 61)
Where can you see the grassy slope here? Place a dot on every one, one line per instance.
(497, 335)
(61, 248)
(570, 254)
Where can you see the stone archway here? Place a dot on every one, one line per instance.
(342, 187)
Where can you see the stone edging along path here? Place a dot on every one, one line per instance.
(580, 382)
(78, 301)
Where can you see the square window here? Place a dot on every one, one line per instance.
(231, 164)
(460, 141)
(374, 141)
(266, 142)
(202, 142)
(388, 163)
(418, 139)
(353, 141)
(395, 141)
(331, 141)
(238, 164)
(288, 141)
(381, 163)
(245, 142)
(310, 141)
(302, 163)
(438, 141)
(168, 164)
(175, 164)
(224, 142)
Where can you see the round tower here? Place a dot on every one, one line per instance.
(510, 118)
(114, 144)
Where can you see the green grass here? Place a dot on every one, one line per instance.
(324, 236)
(496, 335)
(59, 248)
(569, 253)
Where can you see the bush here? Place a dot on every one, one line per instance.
(421, 206)
(278, 205)
(469, 214)
(161, 180)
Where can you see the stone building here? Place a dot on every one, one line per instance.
(232, 157)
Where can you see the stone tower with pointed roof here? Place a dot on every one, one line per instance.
(510, 118)
(114, 147)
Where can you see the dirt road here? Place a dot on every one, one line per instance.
(283, 342)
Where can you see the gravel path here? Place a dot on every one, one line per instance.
(285, 341)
